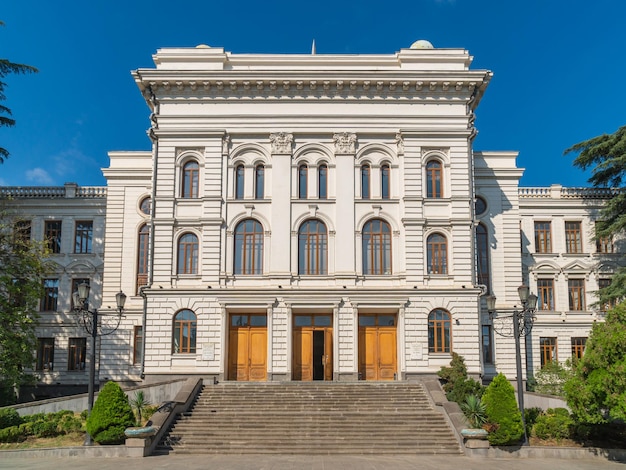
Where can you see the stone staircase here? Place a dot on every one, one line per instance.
(311, 418)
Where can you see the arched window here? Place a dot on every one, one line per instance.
(365, 181)
(185, 330)
(312, 248)
(434, 186)
(239, 180)
(376, 247)
(482, 256)
(439, 331)
(384, 181)
(142, 256)
(259, 182)
(191, 172)
(248, 247)
(322, 182)
(437, 249)
(303, 174)
(188, 254)
(145, 206)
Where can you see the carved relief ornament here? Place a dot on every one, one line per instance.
(281, 142)
(344, 142)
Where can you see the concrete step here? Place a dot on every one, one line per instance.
(305, 418)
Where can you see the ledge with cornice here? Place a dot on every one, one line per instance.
(460, 86)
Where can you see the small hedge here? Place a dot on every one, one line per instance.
(110, 416)
(554, 423)
(9, 417)
(42, 425)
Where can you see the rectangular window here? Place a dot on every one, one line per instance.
(547, 347)
(76, 353)
(50, 295)
(45, 354)
(23, 231)
(576, 289)
(487, 343)
(83, 236)
(603, 284)
(545, 291)
(573, 240)
(603, 244)
(52, 235)
(578, 347)
(543, 237)
(138, 345)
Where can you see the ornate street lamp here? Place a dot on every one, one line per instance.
(516, 325)
(96, 324)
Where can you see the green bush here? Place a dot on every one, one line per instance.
(12, 434)
(530, 418)
(34, 417)
(502, 412)
(555, 423)
(45, 428)
(457, 385)
(9, 417)
(110, 416)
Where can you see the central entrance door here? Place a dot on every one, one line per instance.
(377, 347)
(247, 347)
(312, 347)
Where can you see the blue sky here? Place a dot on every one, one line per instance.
(558, 68)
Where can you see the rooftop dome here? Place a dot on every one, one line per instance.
(422, 44)
(203, 46)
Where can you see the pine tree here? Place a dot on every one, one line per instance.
(7, 68)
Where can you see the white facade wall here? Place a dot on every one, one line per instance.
(223, 110)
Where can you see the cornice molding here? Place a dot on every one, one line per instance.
(177, 86)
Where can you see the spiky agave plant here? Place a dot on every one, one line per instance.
(475, 411)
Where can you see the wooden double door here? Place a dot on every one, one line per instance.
(377, 347)
(247, 347)
(312, 347)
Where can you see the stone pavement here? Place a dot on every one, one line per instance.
(311, 462)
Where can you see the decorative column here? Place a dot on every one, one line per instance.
(281, 147)
(345, 144)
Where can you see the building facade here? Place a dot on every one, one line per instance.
(325, 217)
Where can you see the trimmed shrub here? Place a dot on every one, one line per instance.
(502, 412)
(457, 385)
(555, 423)
(530, 417)
(12, 434)
(110, 416)
(9, 417)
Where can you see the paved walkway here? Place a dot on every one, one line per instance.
(311, 462)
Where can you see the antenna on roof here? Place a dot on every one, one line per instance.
(313, 51)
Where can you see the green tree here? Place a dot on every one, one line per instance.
(502, 412)
(7, 68)
(22, 267)
(110, 416)
(605, 155)
(596, 393)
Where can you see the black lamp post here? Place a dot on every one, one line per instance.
(516, 325)
(96, 324)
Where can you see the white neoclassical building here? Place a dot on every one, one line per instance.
(326, 217)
